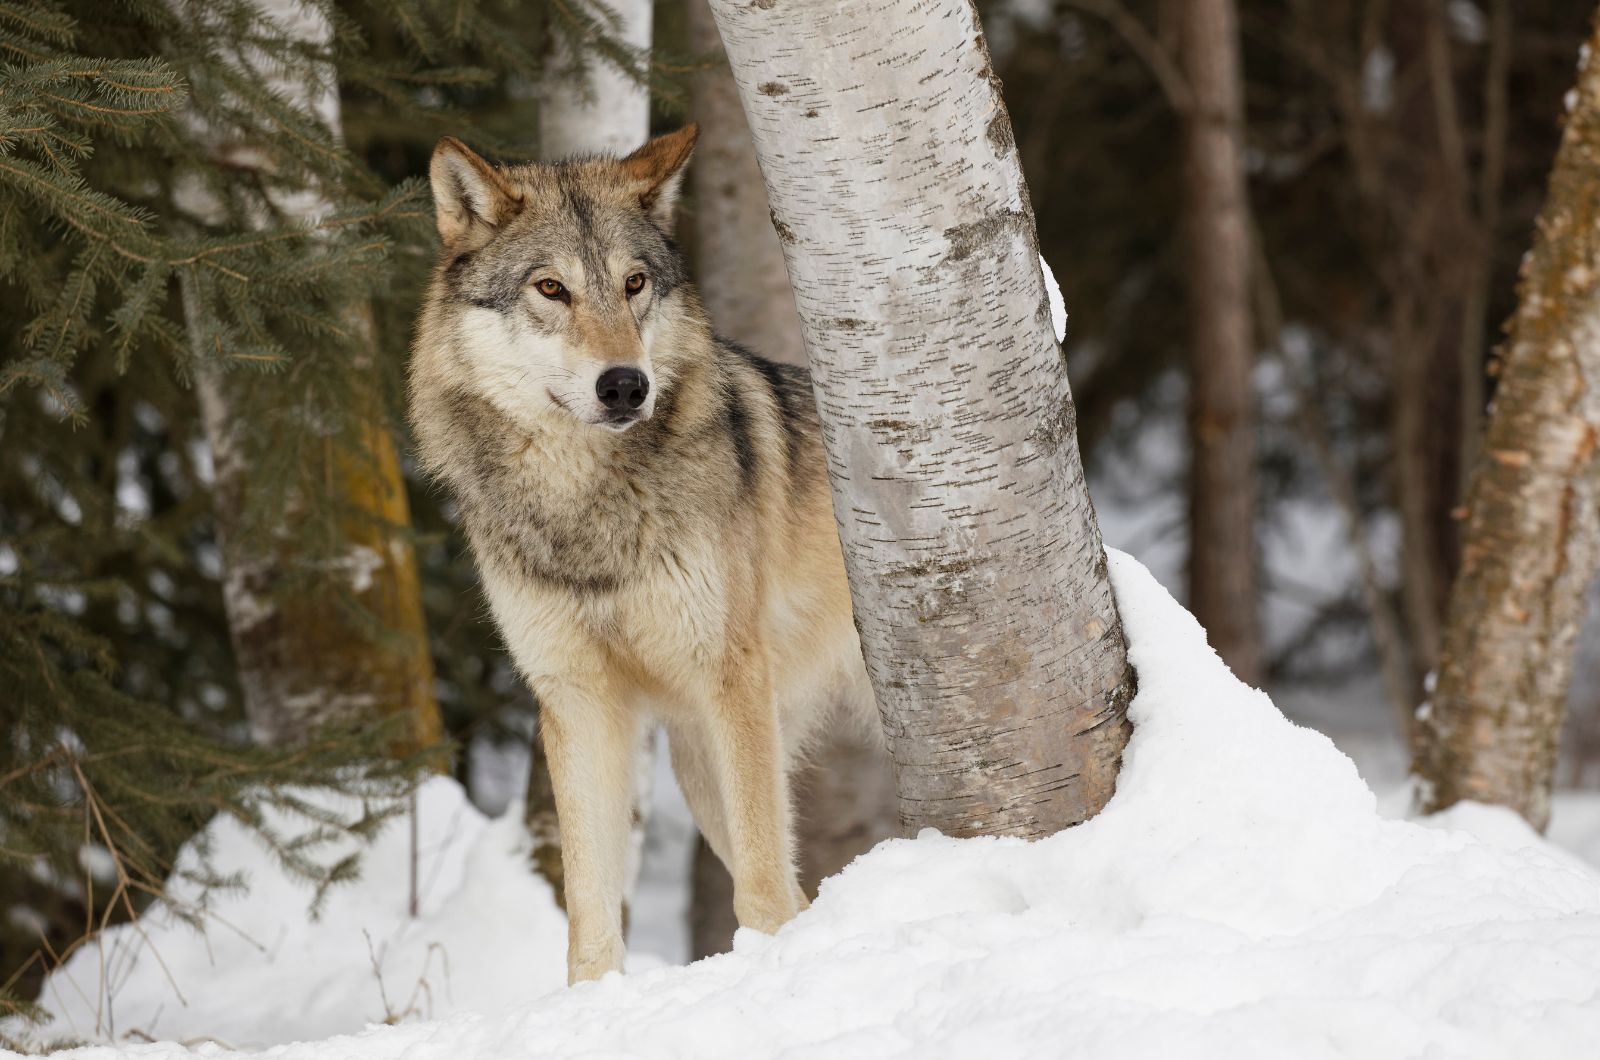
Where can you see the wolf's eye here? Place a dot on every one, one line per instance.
(634, 284)
(552, 289)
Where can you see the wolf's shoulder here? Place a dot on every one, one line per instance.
(790, 383)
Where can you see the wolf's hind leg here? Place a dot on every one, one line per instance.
(590, 737)
(694, 766)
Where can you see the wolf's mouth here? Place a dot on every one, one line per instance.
(613, 421)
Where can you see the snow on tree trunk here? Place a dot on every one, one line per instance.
(1222, 476)
(842, 808)
(303, 659)
(592, 106)
(975, 562)
(1532, 534)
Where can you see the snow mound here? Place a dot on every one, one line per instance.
(1239, 897)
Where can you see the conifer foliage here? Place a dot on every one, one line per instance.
(153, 232)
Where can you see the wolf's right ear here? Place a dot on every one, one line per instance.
(657, 171)
(468, 193)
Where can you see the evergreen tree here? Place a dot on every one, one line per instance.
(153, 173)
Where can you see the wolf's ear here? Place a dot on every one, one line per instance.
(657, 168)
(468, 192)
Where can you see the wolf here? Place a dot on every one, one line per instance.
(649, 510)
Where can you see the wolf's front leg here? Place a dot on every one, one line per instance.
(749, 757)
(589, 736)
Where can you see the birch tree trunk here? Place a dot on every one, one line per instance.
(975, 563)
(590, 106)
(304, 661)
(1532, 537)
(1222, 476)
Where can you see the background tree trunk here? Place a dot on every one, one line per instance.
(1433, 265)
(844, 796)
(1222, 423)
(589, 104)
(738, 259)
(1532, 537)
(975, 562)
(304, 658)
(587, 107)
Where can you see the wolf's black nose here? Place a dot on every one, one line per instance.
(622, 389)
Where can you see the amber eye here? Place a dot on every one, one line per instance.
(634, 283)
(551, 288)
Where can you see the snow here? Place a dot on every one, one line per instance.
(1240, 896)
(1058, 305)
(363, 960)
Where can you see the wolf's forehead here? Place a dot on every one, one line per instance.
(595, 243)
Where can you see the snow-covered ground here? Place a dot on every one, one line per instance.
(1241, 896)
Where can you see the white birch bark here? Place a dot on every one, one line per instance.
(974, 558)
(590, 106)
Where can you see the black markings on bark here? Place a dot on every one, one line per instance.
(785, 233)
(991, 234)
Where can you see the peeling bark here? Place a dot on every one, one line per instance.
(975, 562)
(1532, 535)
(1222, 422)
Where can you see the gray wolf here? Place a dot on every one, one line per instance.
(649, 510)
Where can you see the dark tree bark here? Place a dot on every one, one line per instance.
(1432, 264)
(1532, 535)
(1222, 421)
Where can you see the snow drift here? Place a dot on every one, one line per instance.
(1240, 896)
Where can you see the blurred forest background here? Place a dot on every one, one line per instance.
(201, 393)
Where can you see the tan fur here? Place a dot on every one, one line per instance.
(685, 568)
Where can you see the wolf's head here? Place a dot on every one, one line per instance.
(557, 283)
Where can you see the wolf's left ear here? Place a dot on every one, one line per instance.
(658, 168)
(471, 198)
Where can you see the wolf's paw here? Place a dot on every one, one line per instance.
(767, 910)
(591, 962)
